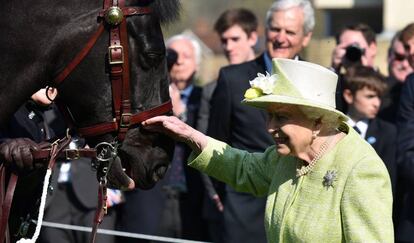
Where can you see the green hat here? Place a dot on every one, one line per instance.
(296, 83)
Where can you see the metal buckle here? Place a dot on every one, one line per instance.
(114, 47)
(121, 121)
(105, 151)
(70, 156)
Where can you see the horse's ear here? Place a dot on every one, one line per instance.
(166, 11)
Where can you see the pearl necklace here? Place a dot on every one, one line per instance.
(306, 169)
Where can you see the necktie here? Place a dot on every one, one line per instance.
(357, 129)
(177, 178)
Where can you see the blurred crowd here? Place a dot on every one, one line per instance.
(189, 204)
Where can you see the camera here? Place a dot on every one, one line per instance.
(354, 53)
(172, 57)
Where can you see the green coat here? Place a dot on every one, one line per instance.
(357, 207)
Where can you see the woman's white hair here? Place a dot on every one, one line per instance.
(194, 42)
(308, 12)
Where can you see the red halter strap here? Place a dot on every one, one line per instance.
(118, 58)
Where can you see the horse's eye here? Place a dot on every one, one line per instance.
(153, 57)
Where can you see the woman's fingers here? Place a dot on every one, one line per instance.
(170, 125)
(178, 130)
(163, 123)
(154, 120)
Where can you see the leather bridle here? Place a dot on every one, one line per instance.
(113, 15)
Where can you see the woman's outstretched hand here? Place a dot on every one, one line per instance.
(178, 130)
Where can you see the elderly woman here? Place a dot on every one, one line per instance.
(323, 182)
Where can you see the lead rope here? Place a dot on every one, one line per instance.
(53, 154)
(41, 210)
(101, 210)
(107, 154)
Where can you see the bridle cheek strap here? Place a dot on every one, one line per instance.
(118, 59)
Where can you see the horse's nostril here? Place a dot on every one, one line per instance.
(159, 173)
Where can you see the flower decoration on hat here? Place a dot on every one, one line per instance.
(261, 85)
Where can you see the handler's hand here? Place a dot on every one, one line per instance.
(178, 130)
(338, 54)
(17, 154)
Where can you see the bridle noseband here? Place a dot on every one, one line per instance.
(113, 15)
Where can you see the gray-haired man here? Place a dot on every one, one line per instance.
(289, 25)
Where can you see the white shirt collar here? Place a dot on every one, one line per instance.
(362, 125)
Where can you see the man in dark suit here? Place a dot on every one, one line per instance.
(75, 195)
(185, 96)
(173, 207)
(289, 26)
(363, 88)
(237, 30)
(405, 122)
(398, 70)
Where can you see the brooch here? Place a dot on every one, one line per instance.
(329, 178)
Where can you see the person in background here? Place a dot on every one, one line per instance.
(398, 70)
(405, 149)
(363, 90)
(74, 197)
(289, 25)
(186, 96)
(322, 181)
(356, 45)
(29, 122)
(173, 207)
(237, 30)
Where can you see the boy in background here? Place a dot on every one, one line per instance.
(362, 93)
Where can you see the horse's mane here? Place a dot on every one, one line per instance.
(167, 10)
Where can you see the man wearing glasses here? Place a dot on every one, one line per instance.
(404, 224)
(398, 60)
(398, 70)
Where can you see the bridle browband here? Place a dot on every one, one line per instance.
(113, 15)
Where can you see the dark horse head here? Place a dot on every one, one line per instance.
(39, 38)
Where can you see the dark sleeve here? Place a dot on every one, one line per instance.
(3, 135)
(220, 111)
(204, 111)
(389, 155)
(405, 122)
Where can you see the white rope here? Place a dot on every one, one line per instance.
(41, 209)
(117, 233)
